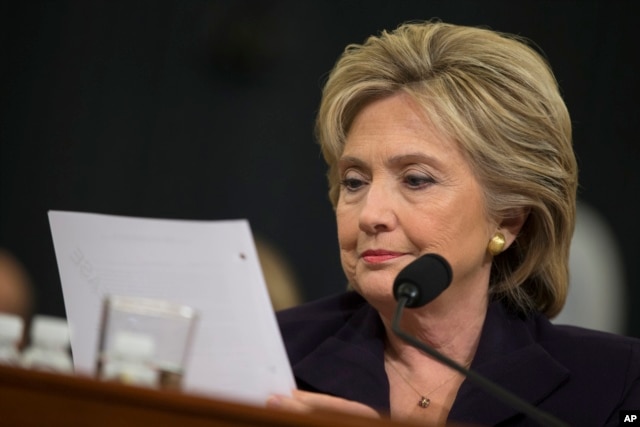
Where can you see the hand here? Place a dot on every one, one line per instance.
(305, 402)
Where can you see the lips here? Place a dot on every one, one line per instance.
(376, 256)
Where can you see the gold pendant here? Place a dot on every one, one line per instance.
(424, 402)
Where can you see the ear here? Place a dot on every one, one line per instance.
(512, 223)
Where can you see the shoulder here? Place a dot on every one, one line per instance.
(580, 375)
(334, 308)
(598, 360)
(305, 325)
(586, 344)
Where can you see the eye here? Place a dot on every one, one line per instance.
(353, 181)
(352, 184)
(417, 180)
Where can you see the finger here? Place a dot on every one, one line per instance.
(332, 403)
(287, 403)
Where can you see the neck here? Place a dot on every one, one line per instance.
(452, 329)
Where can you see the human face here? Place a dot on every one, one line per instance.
(407, 190)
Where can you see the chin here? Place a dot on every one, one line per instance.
(375, 278)
(377, 293)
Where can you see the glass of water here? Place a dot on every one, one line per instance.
(144, 341)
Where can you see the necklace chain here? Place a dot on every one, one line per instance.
(424, 401)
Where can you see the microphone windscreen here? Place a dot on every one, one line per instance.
(430, 274)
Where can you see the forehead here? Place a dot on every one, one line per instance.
(398, 125)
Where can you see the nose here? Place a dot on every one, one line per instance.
(377, 213)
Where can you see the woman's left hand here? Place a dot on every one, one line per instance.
(305, 402)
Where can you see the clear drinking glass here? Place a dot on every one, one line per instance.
(144, 341)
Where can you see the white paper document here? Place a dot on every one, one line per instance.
(237, 352)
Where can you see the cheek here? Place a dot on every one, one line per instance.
(348, 267)
(347, 228)
(348, 240)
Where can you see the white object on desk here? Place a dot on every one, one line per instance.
(11, 328)
(49, 345)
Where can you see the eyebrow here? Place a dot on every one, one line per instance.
(399, 159)
(413, 158)
(350, 160)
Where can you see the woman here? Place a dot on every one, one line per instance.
(452, 140)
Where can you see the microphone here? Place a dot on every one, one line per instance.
(421, 282)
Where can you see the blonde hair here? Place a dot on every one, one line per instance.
(497, 97)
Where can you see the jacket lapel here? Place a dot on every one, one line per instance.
(350, 363)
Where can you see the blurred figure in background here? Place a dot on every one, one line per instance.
(16, 292)
(278, 275)
(597, 286)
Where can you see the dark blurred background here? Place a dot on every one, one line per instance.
(204, 110)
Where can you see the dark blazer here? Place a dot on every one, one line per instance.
(583, 377)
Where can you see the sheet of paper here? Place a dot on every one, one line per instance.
(237, 351)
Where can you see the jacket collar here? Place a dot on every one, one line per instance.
(350, 364)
